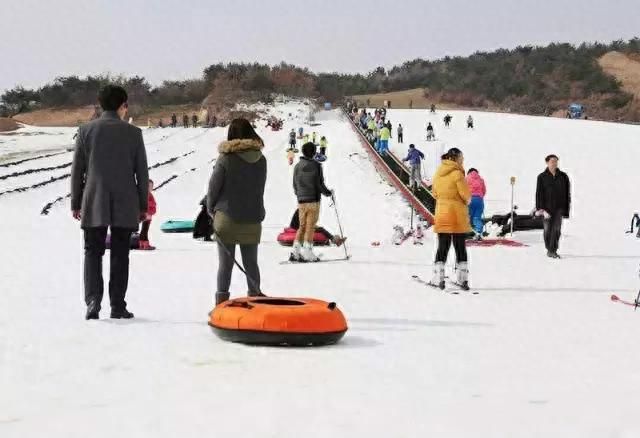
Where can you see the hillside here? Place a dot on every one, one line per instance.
(7, 125)
(624, 68)
(538, 80)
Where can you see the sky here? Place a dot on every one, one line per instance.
(177, 39)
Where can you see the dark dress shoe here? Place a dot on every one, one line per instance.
(93, 311)
(121, 314)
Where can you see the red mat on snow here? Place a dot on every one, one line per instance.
(494, 242)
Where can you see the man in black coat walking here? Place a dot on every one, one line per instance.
(553, 202)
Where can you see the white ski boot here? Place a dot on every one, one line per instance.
(438, 276)
(296, 255)
(462, 275)
(307, 253)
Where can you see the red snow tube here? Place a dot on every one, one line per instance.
(288, 236)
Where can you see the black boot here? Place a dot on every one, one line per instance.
(93, 311)
(121, 314)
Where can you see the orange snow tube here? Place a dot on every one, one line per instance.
(278, 321)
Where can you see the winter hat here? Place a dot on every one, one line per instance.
(309, 150)
(473, 169)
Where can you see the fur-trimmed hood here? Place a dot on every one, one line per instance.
(240, 145)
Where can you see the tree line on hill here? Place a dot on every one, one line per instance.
(527, 79)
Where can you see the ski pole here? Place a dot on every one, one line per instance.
(335, 207)
(253, 282)
(513, 183)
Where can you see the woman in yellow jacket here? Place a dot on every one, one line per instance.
(452, 217)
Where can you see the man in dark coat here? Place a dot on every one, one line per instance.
(553, 203)
(308, 185)
(109, 188)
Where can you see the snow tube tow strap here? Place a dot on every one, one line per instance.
(288, 236)
(495, 242)
(177, 226)
(278, 321)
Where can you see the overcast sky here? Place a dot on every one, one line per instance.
(163, 39)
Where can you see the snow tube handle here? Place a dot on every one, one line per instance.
(240, 304)
(332, 306)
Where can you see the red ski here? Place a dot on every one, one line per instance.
(617, 299)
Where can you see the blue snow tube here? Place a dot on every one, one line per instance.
(177, 226)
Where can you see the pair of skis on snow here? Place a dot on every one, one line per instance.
(453, 288)
(320, 260)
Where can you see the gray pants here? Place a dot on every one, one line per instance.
(249, 262)
(416, 176)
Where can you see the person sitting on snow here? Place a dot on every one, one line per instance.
(415, 157)
(308, 186)
(295, 224)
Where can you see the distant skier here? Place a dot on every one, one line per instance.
(185, 121)
(447, 120)
(194, 120)
(430, 134)
(553, 203)
(309, 186)
(383, 142)
(433, 108)
(291, 155)
(160, 123)
(323, 145)
(469, 122)
(400, 133)
(300, 132)
(314, 138)
(414, 157)
(292, 139)
(452, 217)
(174, 120)
(476, 206)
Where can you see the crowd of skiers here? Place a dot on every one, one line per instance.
(211, 121)
(320, 141)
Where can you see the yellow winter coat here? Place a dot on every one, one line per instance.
(452, 195)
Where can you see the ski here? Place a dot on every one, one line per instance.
(459, 286)
(452, 291)
(617, 299)
(293, 262)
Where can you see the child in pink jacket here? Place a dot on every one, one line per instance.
(476, 206)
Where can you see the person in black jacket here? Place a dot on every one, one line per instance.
(308, 185)
(553, 203)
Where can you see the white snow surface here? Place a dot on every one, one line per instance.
(541, 352)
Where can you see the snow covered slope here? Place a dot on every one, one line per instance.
(540, 352)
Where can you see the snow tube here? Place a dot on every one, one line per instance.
(177, 226)
(133, 244)
(278, 321)
(288, 236)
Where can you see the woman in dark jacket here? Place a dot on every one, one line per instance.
(235, 201)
